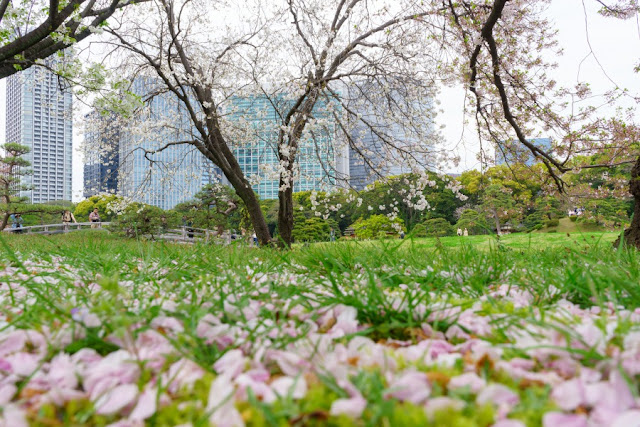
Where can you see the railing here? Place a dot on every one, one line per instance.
(182, 234)
(56, 228)
(191, 234)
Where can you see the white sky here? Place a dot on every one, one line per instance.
(615, 43)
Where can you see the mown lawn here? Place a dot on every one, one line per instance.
(538, 329)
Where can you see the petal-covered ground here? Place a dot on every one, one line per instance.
(319, 336)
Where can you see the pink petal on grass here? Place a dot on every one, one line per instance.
(290, 363)
(146, 405)
(12, 342)
(627, 419)
(288, 386)
(570, 394)
(470, 380)
(411, 386)
(497, 394)
(6, 393)
(221, 403)
(231, 363)
(558, 419)
(182, 373)
(13, 416)
(116, 399)
(62, 372)
(352, 407)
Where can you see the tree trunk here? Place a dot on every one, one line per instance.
(632, 234)
(230, 167)
(255, 214)
(495, 216)
(285, 215)
(5, 219)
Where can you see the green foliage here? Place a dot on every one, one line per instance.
(552, 222)
(85, 207)
(573, 218)
(474, 222)
(313, 229)
(377, 226)
(12, 167)
(139, 220)
(215, 206)
(437, 227)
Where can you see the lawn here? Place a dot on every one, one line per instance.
(539, 329)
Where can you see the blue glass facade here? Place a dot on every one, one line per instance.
(101, 155)
(171, 176)
(518, 153)
(259, 117)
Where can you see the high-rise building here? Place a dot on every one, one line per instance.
(166, 177)
(321, 164)
(514, 152)
(39, 115)
(102, 140)
(175, 174)
(381, 144)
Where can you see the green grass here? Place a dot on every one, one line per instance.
(567, 226)
(396, 286)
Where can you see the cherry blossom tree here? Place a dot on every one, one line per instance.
(323, 71)
(502, 48)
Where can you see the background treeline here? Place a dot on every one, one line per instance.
(506, 198)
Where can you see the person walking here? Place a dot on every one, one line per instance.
(459, 231)
(466, 233)
(332, 235)
(94, 218)
(187, 225)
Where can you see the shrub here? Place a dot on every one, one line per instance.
(552, 222)
(139, 220)
(438, 227)
(85, 207)
(312, 230)
(573, 218)
(375, 226)
(532, 221)
(419, 231)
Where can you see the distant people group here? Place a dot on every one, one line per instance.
(463, 233)
(67, 217)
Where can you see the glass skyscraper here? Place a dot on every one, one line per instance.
(102, 140)
(177, 173)
(319, 160)
(514, 152)
(382, 145)
(39, 115)
(171, 176)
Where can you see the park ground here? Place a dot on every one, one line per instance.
(526, 330)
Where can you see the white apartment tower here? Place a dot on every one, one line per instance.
(39, 115)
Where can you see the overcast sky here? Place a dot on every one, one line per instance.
(616, 45)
